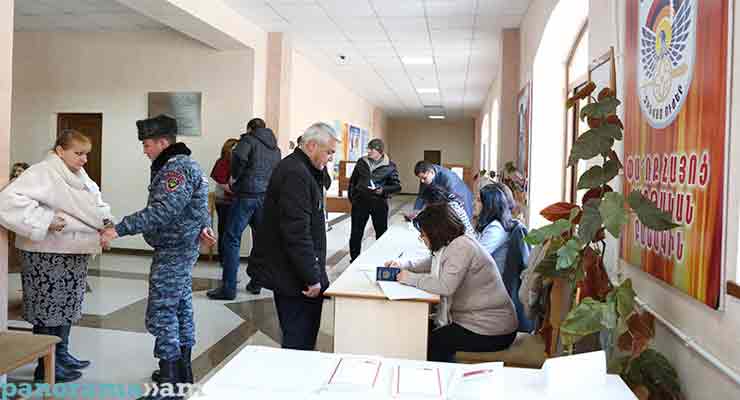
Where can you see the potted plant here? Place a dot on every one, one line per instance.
(575, 242)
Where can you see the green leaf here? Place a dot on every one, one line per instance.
(589, 145)
(573, 214)
(610, 316)
(568, 254)
(654, 371)
(608, 105)
(590, 221)
(649, 214)
(610, 130)
(557, 228)
(617, 365)
(597, 176)
(547, 267)
(591, 110)
(613, 213)
(586, 318)
(625, 298)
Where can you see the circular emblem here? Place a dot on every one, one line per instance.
(665, 57)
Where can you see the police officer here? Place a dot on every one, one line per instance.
(175, 218)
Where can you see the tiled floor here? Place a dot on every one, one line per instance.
(112, 333)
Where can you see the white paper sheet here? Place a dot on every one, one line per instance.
(398, 291)
(559, 377)
(473, 381)
(355, 373)
(417, 382)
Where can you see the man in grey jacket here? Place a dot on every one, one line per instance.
(252, 162)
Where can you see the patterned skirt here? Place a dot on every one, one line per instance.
(53, 287)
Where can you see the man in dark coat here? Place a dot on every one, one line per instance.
(433, 174)
(289, 252)
(252, 162)
(374, 179)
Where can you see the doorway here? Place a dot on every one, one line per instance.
(90, 125)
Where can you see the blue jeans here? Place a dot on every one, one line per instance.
(244, 211)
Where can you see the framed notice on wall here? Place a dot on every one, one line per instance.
(185, 107)
(675, 144)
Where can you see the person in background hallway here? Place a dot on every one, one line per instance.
(433, 194)
(56, 210)
(252, 162)
(173, 222)
(289, 252)
(17, 169)
(374, 179)
(429, 174)
(475, 312)
(221, 174)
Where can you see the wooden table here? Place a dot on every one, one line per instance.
(365, 321)
(19, 349)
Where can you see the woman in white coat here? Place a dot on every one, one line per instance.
(56, 211)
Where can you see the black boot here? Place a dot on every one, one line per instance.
(62, 352)
(61, 374)
(168, 373)
(253, 287)
(185, 366)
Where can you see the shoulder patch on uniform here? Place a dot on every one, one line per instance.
(173, 180)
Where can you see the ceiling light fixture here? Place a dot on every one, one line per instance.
(437, 117)
(417, 60)
(427, 90)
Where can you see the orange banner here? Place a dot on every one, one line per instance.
(676, 65)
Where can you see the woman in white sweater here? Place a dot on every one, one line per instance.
(475, 311)
(56, 211)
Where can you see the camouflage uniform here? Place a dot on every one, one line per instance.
(176, 212)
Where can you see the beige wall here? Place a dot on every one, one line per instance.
(715, 331)
(317, 96)
(6, 82)
(509, 90)
(408, 138)
(111, 73)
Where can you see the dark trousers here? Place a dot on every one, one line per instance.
(300, 318)
(362, 209)
(222, 211)
(244, 211)
(445, 341)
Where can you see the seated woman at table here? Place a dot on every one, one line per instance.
(495, 222)
(434, 194)
(475, 311)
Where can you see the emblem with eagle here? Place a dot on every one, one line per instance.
(666, 50)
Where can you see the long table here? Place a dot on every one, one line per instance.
(365, 321)
(277, 374)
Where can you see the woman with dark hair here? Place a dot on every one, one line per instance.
(435, 194)
(475, 311)
(495, 222)
(221, 173)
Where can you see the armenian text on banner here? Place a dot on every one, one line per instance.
(676, 64)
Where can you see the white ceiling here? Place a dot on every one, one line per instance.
(461, 36)
(79, 15)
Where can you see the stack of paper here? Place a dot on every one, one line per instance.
(417, 383)
(354, 374)
(399, 291)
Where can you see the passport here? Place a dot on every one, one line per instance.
(387, 273)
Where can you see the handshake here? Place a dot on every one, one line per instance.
(108, 234)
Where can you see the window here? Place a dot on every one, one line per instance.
(493, 141)
(577, 76)
(485, 134)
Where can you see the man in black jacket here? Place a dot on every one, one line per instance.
(252, 162)
(289, 253)
(374, 179)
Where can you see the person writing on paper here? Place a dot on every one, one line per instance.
(374, 179)
(475, 311)
(433, 174)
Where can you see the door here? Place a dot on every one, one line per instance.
(433, 156)
(90, 125)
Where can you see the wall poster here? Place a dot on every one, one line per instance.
(185, 107)
(675, 144)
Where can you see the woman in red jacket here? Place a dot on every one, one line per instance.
(221, 173)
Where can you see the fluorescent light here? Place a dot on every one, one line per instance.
(437, 117)
(427, 90)
(417, 60)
